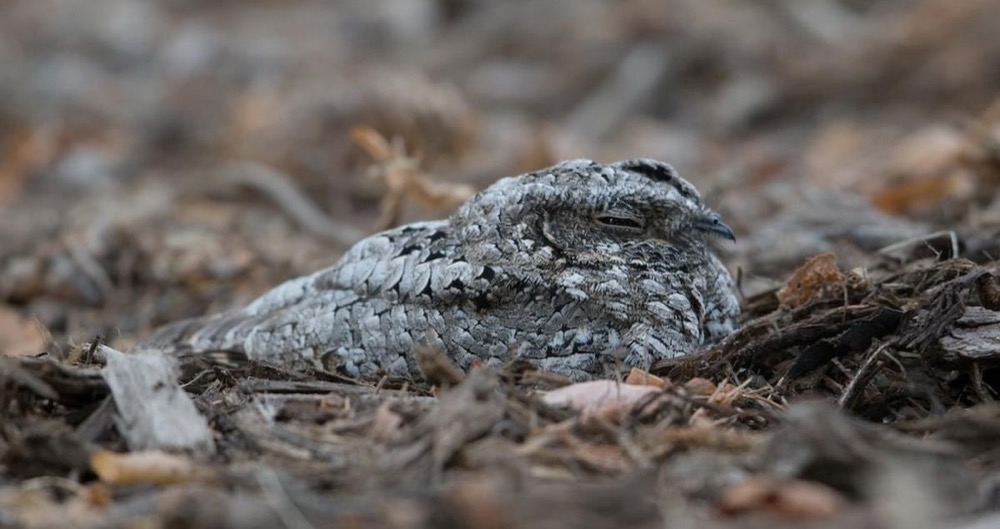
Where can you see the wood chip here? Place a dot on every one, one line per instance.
(153, 411)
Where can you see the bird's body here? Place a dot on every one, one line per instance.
(578, 268)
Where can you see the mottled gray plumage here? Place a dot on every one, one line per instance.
(578, 268)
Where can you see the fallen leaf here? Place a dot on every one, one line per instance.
(604, 398)
(817, 277)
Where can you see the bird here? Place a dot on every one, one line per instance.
(581, 269)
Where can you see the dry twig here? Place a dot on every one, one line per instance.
(404, 180)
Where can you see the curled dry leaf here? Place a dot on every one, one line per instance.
(817, 277)
(152, 466)
(795, 500)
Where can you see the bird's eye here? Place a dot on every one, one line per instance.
(619, 222)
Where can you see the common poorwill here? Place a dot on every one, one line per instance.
(580, 268)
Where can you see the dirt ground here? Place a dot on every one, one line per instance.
(170, 158)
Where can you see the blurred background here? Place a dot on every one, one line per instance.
(154, 156)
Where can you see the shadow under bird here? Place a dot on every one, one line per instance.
(580, 269)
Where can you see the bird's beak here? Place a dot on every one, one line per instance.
(712, 223)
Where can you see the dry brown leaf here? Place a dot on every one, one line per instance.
(638, 377)
(605, 398)
(794, 500)
(19, 336)
(817, 277)
(152, 466)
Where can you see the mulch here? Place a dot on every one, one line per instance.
(172, 159)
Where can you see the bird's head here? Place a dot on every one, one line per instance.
(637, 212)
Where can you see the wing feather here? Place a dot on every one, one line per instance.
(415, 266)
